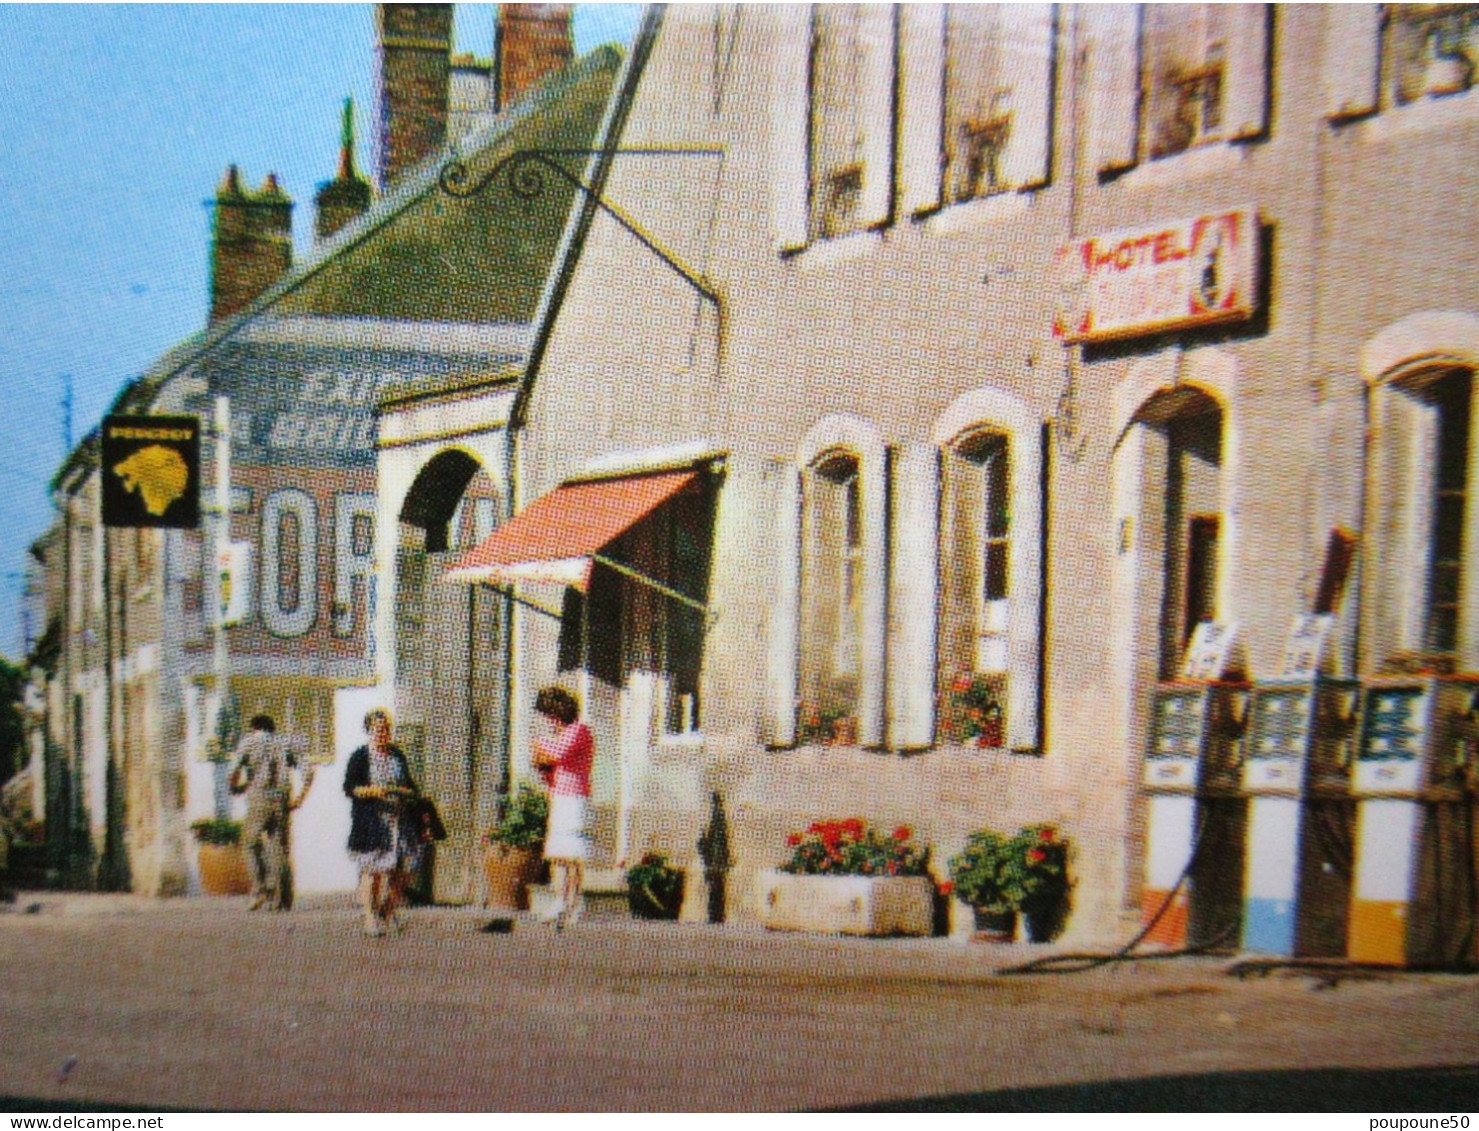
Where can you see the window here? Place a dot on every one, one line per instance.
(987, 673)
(1427, 50)
(1421, 521)
(975, 579)
(998, 78)
(831, 599)
(1175, 77)
(1184, 76)
(832, 127)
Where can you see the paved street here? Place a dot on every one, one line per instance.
(199, 1004)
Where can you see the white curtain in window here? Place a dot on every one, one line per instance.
(790, 55)
(1247, 69)
(921, 105)
(912, 600)
(1349, 74)
(1113, 35)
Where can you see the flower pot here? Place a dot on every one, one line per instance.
(509, 872)
(223, 870)
(996, 925)
(1044, 919)
(645, 903)
(847, 905)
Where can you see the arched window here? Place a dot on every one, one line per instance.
(831, 598)
(1421, 522)
(987, 677)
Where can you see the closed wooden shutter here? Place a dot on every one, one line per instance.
(1113, 34)
(912, 607)
(782, 639)
(1027, 55)
(876, 104)
(1352, 45)
(1248, 74)
(790, 108)
(921, 105)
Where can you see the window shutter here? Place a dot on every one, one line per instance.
(1027, 52)
(873, 662)
(1113, 33)
(1352, 43)
(921, 105)
(876, 101)
(1247, 70)
(913, 599)
(1024, 615)
(781, 644)
(790, 108)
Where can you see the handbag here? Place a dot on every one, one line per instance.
(427, 820)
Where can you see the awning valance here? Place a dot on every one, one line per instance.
(557, 537)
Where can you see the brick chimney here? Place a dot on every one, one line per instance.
(348, 195)
(251, 242)
(415, 43)
(532, 40)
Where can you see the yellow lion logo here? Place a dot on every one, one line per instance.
(158, 474)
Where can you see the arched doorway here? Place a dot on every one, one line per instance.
(451, 664)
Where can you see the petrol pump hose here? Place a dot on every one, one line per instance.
(1330, 969)
(1078, 963)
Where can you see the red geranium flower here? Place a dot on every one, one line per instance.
(794, 839)
(903, 832)
(1036, 856)
(945, 888)
(1047, 833)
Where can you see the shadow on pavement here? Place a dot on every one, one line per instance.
(1320, 1089)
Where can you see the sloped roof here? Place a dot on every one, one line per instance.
(422, 255)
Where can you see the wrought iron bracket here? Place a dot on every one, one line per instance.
(526, 180)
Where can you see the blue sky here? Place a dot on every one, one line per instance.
(118, 122)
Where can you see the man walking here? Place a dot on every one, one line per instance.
(264, 772)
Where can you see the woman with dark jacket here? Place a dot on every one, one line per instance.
(384, 842)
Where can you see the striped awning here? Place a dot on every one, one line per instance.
(556, 538)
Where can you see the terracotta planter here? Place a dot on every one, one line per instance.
(223, 870)
(847, 905)
(994, 925)
(509, 872)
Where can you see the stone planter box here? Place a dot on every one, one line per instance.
(846, 905)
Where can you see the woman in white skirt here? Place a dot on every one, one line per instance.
(565, 761)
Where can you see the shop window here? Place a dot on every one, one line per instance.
(975, 588)
(1427, 50)
(998, 72)
(831, 599)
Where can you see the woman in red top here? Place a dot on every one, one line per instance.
(565, 762)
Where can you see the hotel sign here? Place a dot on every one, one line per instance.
(1191, 272)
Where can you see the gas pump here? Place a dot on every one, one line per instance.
(1296, 773)
(1413, 903)
(1196, 814)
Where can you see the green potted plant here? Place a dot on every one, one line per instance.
(1045, 881)
(654, 888)
(223, 865)
(511, 855)
(846, 877)
(1001, 876)
(989, 875)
